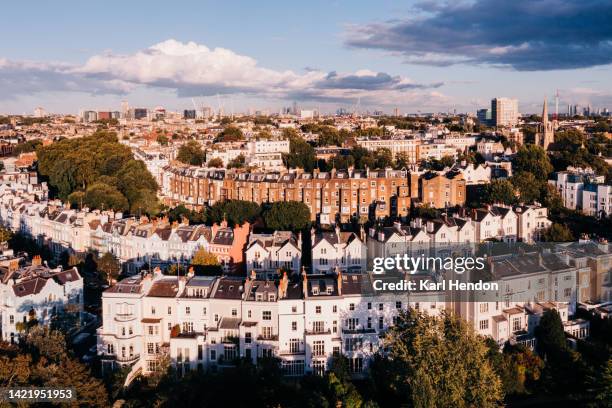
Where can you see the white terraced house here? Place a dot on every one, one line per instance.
(36, 291)
(205, 323)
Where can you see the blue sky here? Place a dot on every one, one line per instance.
(425, 56)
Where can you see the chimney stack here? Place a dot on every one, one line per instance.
(282, 287)
(339, 280)
(304, 282)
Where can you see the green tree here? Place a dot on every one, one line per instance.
(190, 153)
(103, 196)
(558, 233)
(230, 134)
(550, 333)
(215, 162)
(235, 212)
(301, 154)
(109, 267)
(205, 263)
(442, 362)
(383, 158)
(287, 215)
(528, 186)
(500, 191)
(162, 140)
(237, 162)
(533, 159)
(5, 234)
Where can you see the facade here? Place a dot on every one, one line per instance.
(36, 292)
(266, 254)
(330, 196)
(582, 189)
(504, 112)
(438, 190)
(336, 249)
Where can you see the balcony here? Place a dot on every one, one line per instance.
(273, 337)
(290, 352)
(121, 359)
(317, 332)
(124, 317)
(359, 331)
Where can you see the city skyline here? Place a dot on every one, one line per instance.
(415, 57)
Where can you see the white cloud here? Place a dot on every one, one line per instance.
(193, 69)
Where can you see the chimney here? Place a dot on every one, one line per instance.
(339, 280)
(191, 272)
(362, 234)
(312, 236)
(430, 226)
(253, 275)
(337, 230)
(181, 285)
(299, 240)
(304, 283)
(397, 225)
(282, 287)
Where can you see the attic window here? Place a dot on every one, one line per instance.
(315, 291)
(329, 290)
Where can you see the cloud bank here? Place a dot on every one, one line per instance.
(527, 35)
(192, 69)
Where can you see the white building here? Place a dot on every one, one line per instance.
(36, 292)
(267, 253)
(332, 249)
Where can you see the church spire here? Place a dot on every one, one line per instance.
(544, 114)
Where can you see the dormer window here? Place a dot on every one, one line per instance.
(315, 291)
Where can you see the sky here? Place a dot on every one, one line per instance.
(418, 56)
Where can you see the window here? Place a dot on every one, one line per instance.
(187, 310)
(294, 345)
(234, 312)
(153, 310)
(398, 305)
(356, 365)
(380, 307)
(335, 309)
(294, 326)
(266, 315)
(369, 306)
(249, 314)
(369, 322)
(150, 330)
(484, 307)
(335, 326)
(213, 355)
(381, 323)
(294, 309)
(352, 323)
(352, 306)
(318, 327)
(247, 338)
(204, 311)
(484, 324)
(318, 309)
(516, 324)
(318, 367)
(150, 348)
(12, 319)
(169, 310)
(318, 348)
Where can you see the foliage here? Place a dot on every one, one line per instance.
(27, 147)
(288, 215)
(180, 212)
(558, 233)
(109, 267)
(441, 362)
(230, 134)
(500, 191)
(204, 258)
(532, 159)
(215, 162)
(44, 361)
(528, 186)
(5, 234)
(237, 162)
(191, 153)
(235, 212)
(301, 154)
(101, 171)
(162, 140)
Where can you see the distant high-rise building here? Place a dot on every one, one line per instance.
(104, 115)
(504, 112)
(139, 113)
(189, 114)
(89, 116)
(125, 109)
(484, 116)
(546, 131)
(396, 112)
(40, 112)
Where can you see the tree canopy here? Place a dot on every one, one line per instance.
(191, 153)
(101, 171)
(288, 215)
